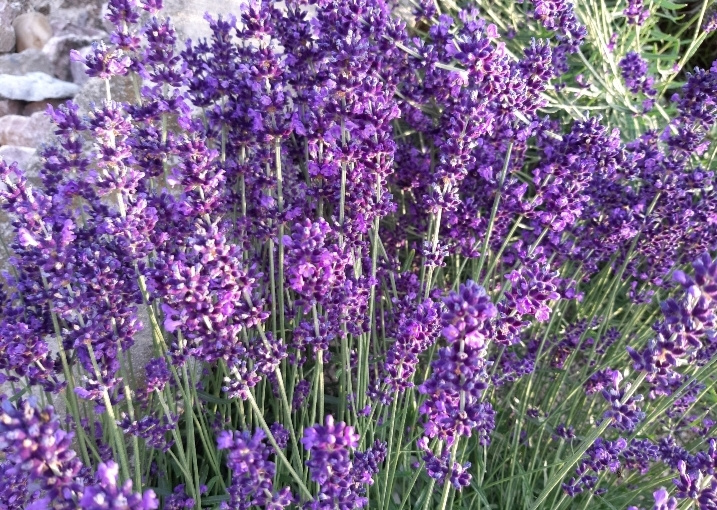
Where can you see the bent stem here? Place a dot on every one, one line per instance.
(279, 452)
(493, 212)
(580, 451)
(447, 481)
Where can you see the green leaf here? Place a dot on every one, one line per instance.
(666, 4)
(210, 485)
(658, 35)
(19, 394)
(161, 492)
(215, 500)
(206, 397)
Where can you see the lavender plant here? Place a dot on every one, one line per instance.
(461, 258)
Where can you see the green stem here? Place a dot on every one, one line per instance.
(446, 481)
(577, 455)
(494, 211)
(319, 376)
(279, 452)
(389, 451)
(70, 395)
(114, 430)
(280, 206)
(282, 391)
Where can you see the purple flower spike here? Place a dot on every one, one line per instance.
(342, 481)
(707, 500)
(634, 71)
(416, 330)
(601, 456)
(332, 436)
(453, 407)
(559, 16)
(636, 13)
(13, 487)
(252, 471)
(157, 374)
(689, 482)
(709, 25)
(179, 500)
(625, 416)
(314, 267)
(34, 443)
(103, 62)
(151, 6)
(686, 331)
(466, 314)
(105, 495)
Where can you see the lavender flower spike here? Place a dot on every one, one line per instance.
(107, 496)
(33, 442)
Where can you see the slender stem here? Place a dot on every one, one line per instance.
(389, 451)
(70, 395)
(429, 492)
(447, 481)
(282, 391)
(577, 455)
(319, 378)
(494, 211)
(434, 244)
(280, 205)
(114, 430)
(411, 484)
(279, 452)
(342, 204)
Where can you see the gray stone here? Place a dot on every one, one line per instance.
(29, 61)
(188, 16)
(41, 6)
(14, 130)
(93, 92)
(83, 31)
(81, 13)
(32, 30)
(35, 87)
(10, 107)
(24, 156)
(30, 131)
(41, 106)
(8, 12)
(58, 48)
(404, 10)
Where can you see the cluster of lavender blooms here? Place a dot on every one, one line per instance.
(38, 452)
(371, 235)
(636, 12)
(634, 71)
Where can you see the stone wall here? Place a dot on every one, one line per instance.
(36, 37)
